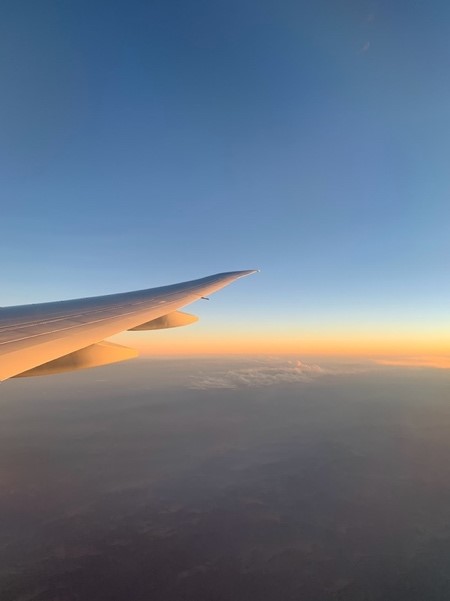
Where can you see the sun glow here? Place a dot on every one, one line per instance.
(383, 345)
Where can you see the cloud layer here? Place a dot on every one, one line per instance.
(435, 362)
(261, 375)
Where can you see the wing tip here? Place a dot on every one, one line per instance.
(244, 273)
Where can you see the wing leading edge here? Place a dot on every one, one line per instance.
(35, 335)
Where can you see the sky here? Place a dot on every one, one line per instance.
(146, 143)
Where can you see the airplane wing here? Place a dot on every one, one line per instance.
(67, 335)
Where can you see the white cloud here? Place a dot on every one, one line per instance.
(288, 372)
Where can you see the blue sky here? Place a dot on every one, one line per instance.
(144, 143)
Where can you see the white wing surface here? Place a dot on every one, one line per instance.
(66, 335)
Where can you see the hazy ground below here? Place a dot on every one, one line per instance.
(226, 479)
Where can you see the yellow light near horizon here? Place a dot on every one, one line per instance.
(364, 344)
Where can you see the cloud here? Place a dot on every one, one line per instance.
(365, 47)
(434, 362)
(288, 372)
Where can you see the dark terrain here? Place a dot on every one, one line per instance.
(155, 480)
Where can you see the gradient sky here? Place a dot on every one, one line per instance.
(145, 143)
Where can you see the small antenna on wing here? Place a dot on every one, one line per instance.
(204, 297)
